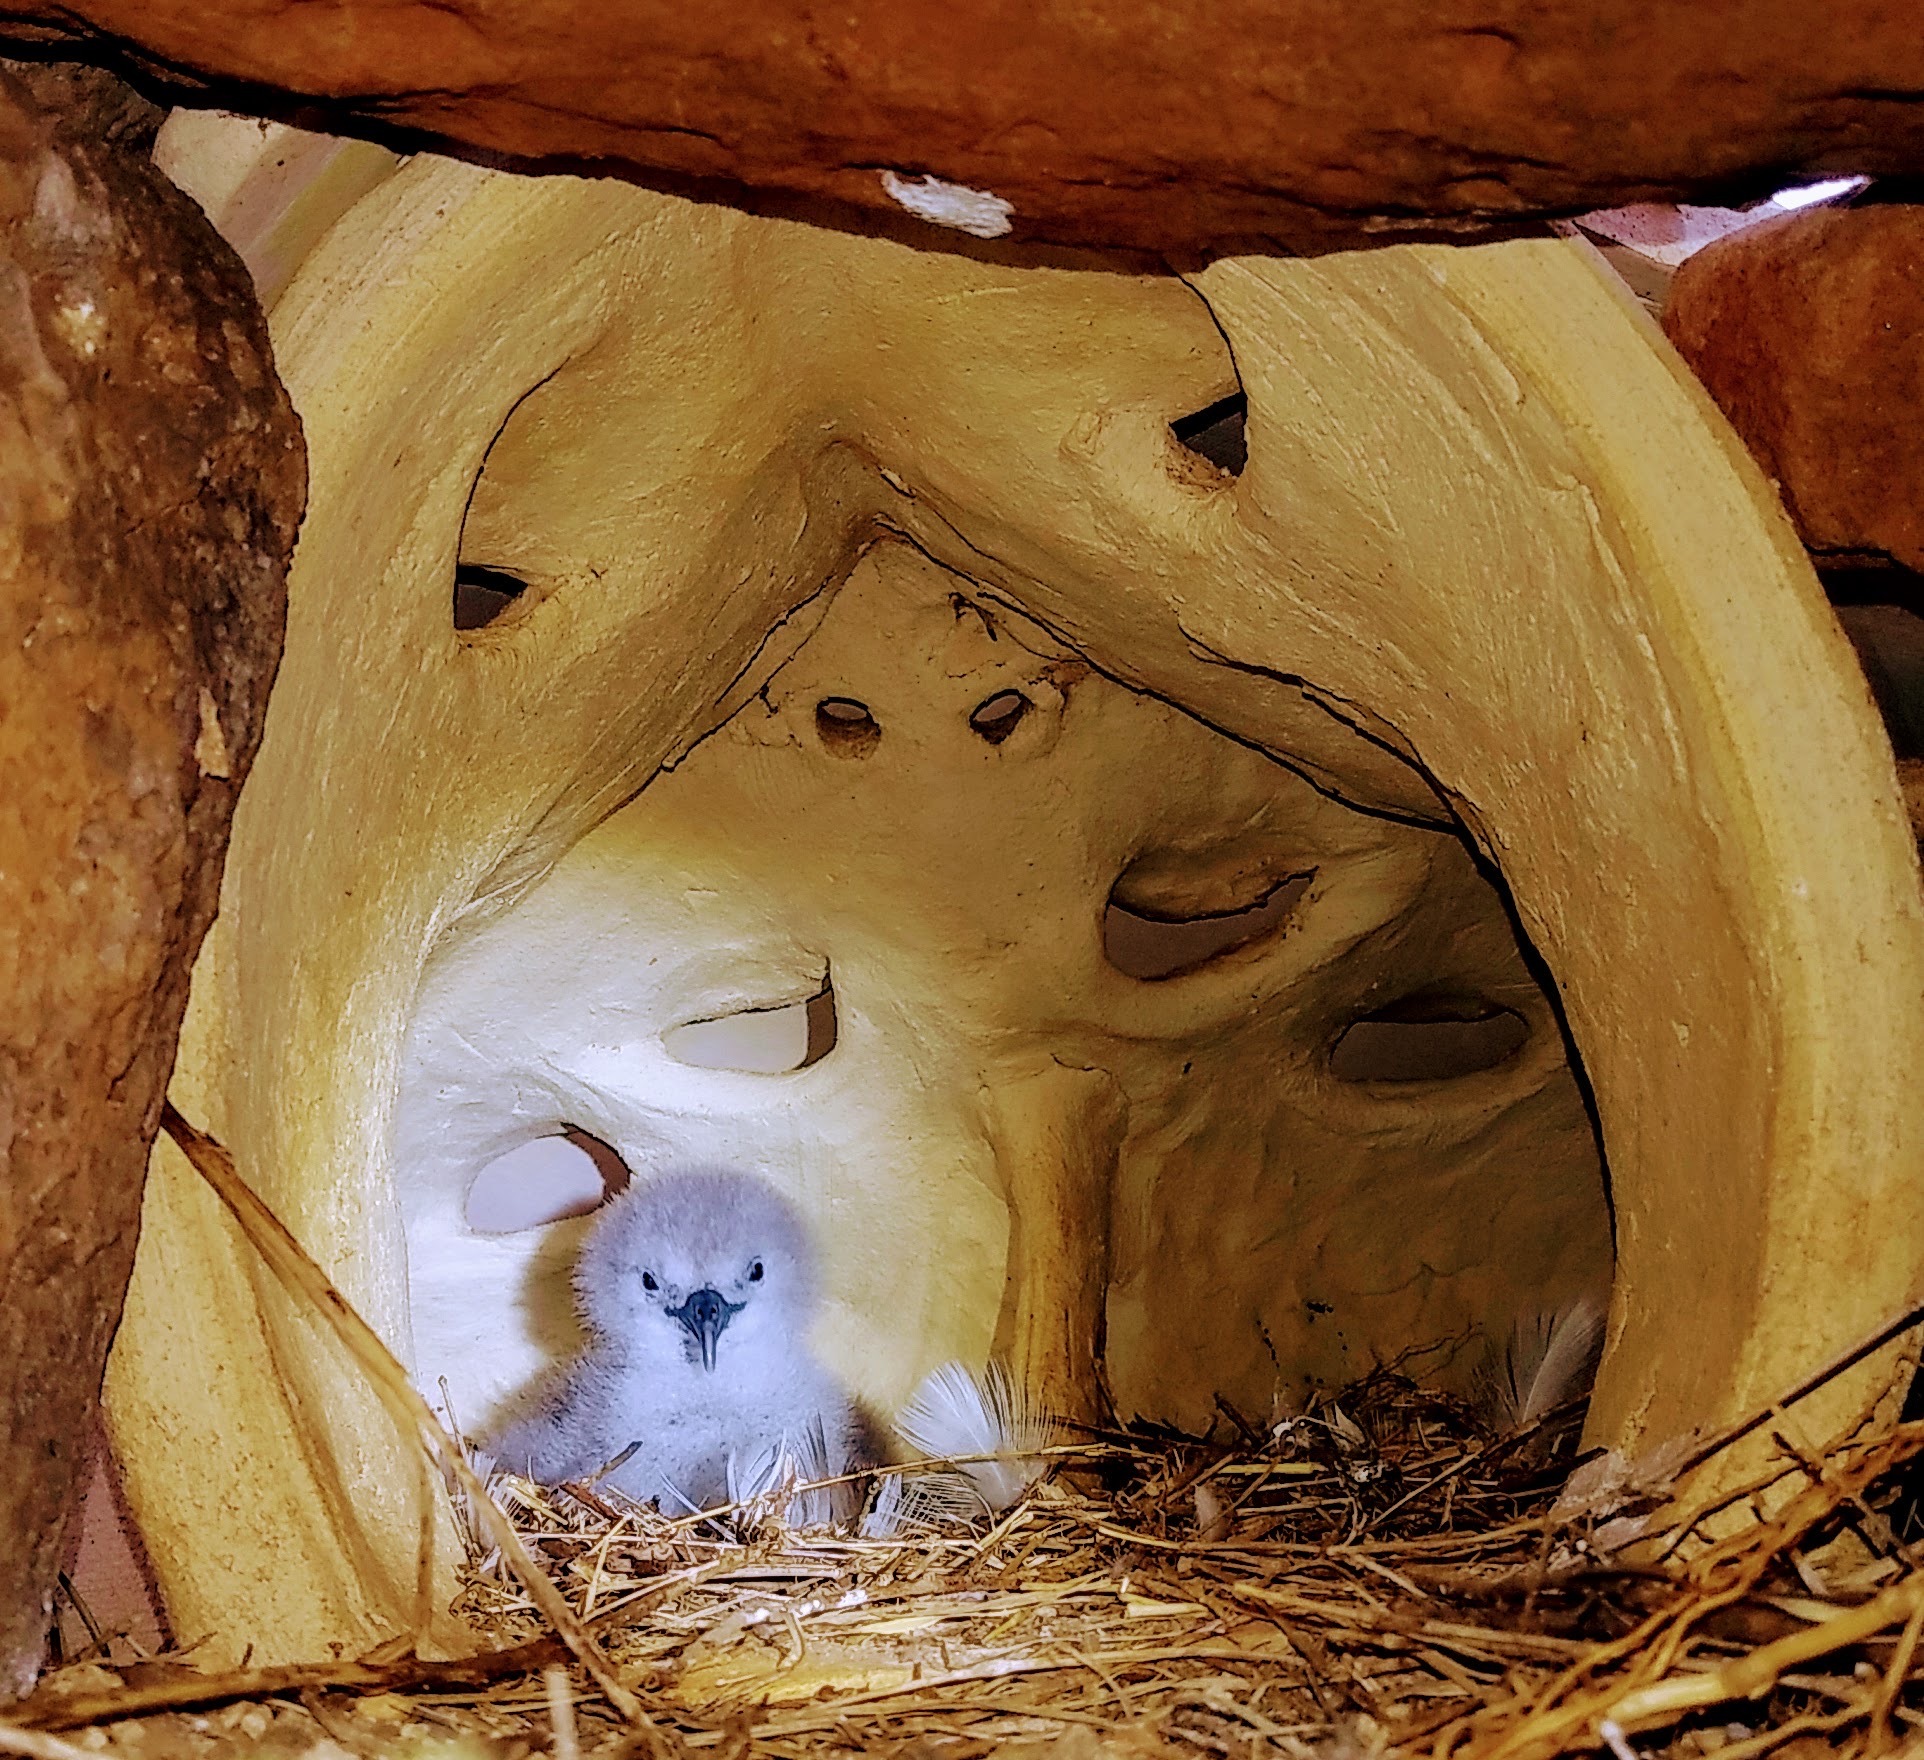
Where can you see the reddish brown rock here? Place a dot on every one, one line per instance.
(150, 484)
(1809, 333)
(1174, 125)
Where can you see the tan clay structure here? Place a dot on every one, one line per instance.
(1809, 332)
(1012, 1145)
(796, 512)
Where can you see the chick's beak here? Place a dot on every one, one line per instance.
(705, 1315)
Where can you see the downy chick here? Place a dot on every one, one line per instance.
(696, 1290)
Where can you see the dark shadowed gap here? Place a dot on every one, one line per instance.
(1428, 1039)
(1151, 947)
(846, 728)
(998, 716)
(1219, 433)
(481, 594)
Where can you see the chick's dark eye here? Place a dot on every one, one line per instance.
(648, 1281)
(755, 1272)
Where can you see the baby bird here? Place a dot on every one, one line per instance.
(696, 1290)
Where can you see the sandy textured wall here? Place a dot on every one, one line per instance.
(949, 892)
(1493, 558)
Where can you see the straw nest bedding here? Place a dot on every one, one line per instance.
(1377, 1576)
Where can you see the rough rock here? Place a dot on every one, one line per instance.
(1184, 126)
(151, 479)
(1809, 333)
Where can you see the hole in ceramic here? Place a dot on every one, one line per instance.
(1428, 1039)
(1000, 715)
(481, 594)
(1152, 946)
(1219, 433)
(537, 1183)
(758, 1041)
(846, 728)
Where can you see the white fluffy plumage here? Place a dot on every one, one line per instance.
(696, 1290)
(1550, 1359)
(957, 1413)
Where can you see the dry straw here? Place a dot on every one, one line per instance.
(1379, 1575)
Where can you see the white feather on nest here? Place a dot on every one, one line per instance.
(782, 1481)
(1550, 1360)
(925, 1503)
(956, 1413)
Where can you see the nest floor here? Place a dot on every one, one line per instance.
(1378, 1576)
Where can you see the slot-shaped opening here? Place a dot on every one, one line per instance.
(481, 594)
(1151, 945)
(534, 1184)
(998, 716)
(1428, 1039)
(846, 728)
(759, 1041)
(1218, 432)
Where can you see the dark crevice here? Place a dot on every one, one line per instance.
(1219, 433)
(1889, 642)
(1869, 578)
(1152, 947)
(1000, 715)
(481, 594)
(823, 1027)
(846, 728)
(1428, 1038)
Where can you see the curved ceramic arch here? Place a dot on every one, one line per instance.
(1485, 518)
